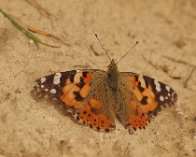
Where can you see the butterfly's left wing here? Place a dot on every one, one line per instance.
(80, 93)
(150, 96)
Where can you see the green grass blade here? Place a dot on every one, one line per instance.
(25, 31)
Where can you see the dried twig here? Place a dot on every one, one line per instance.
(185, 63)
(38, 7)
(149, 62)
(189, 77)
(167, 20)
(35, 30)
(178, 61)
(164, 69)
(25, 66)
(94, 51)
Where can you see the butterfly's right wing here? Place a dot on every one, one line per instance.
(79, 92)
(147, 97)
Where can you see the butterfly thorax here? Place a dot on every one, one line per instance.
(113, 76)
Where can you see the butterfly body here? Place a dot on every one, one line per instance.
(95, 97)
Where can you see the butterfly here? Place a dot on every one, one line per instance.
(96, 98)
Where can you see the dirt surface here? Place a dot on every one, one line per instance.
(167, 51)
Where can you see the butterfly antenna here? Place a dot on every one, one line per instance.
(103, 47)
(132, 47)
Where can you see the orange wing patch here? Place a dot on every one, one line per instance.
(137, 93)
(137, 119)
(95, 103)
(144, 94)
(134, 80)
(91, 115)
(74, 93)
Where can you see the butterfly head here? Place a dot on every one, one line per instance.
(112, 66)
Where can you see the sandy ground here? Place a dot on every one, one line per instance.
(167, 51)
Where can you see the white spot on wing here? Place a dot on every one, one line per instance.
(77, 77)
(141, 79)
(157, 85)
(78, 71)
(42, 86)
(167, 88)
(57, 78)
(161, 98)
(53, 91)
(43, 79)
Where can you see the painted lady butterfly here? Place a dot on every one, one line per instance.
(96, 97)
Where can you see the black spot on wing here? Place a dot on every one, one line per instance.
(141, 89)
(107, 130)
(136, 77)
(84, 74)
(67, 75)
(72, 78)
(150, 81)
(78, 97)
(81, 83)
(144, 100)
